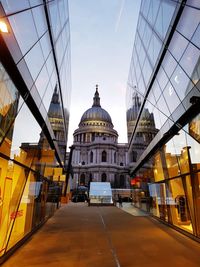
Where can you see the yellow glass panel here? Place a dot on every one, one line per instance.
(184, 160)
(22, 218)
(172, 165)
(158, 169)
(48, 171)
(58, 171)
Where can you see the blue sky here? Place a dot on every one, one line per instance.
(102, 37)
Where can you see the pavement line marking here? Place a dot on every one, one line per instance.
(109, 241)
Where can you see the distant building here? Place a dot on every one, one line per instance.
(97, 155)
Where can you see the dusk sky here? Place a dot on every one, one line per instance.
(102, 37)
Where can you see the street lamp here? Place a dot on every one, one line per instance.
(68, 169)
(3, 27)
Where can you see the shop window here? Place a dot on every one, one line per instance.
(194, 128)
(180, 205)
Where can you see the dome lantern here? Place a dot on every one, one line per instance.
(96, 113)
(96, 98)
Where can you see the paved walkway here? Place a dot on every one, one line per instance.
(82, 236)
(128, 207)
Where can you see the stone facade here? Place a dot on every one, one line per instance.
(97, 155)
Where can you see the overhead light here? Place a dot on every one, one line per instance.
(3, 27)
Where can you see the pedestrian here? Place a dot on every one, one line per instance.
(120, 202)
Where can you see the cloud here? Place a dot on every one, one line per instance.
(119, 16)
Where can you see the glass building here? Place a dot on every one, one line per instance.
(34, 113)
(164, 74)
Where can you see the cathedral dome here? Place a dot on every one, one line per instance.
(96, 112)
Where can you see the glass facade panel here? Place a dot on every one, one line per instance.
(179, 205)
(180, 82)
(194, 128)
(147, 70)
(171, 97)
(147, 36)
(169, 64)
(42, 81)
(156, 90)
(39, 19)
(168, 8)
(9, 99)
(172, 160)
(55, 20)
(45, 45)
(196, 37)
(34, 60)
(141, 85)
(11, 6)
(159, 118)
(157, 168)
(155, 8)
(162, 106)
(166, 182)
(24, 30)
(50, 64)
(33, 132)
(189, 22)
(141, 26)
(190, 59)
(178, 45)
(47, 96)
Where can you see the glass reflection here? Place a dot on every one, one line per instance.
(39, 19)
(171, 97)
(196, 37)
(178, 45)
(180, 82)
(11, 6)
(35, 60)
(190, 59)
(189, 22)
(24, 30)
(9, 99)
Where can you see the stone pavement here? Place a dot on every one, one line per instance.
(82, 236)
